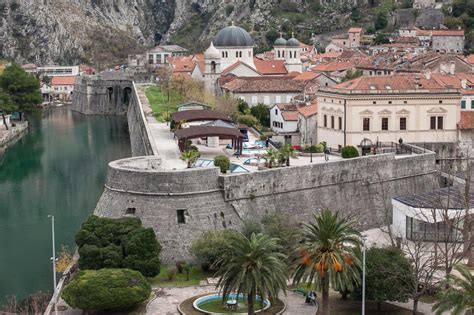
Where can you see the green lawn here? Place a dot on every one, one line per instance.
(195, 276)
(159, 100)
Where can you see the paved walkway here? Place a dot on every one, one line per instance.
(169, 298)
(166, 145)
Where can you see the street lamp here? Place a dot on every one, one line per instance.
(363, 276)
(53, 259)
(311, 152)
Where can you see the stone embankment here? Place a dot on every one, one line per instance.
(8, 137)
(180, 204)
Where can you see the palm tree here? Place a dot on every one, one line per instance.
(190, 156)
(458, 298)
(286, 152)
(328, 255)
(253, 266)
(271, 156)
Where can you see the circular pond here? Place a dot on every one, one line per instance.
(213, 304)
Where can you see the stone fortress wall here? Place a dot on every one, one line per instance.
(207, 200)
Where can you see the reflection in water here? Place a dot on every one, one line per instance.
(58, 168)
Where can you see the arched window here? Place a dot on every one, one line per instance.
(213, 67)
(236, 54)
(283, 54)
(278, 54)
(291, 54)
(240, 54)
(223, 54)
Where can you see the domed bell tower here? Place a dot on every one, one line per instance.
(212, 68)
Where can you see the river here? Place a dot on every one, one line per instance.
(58, 168)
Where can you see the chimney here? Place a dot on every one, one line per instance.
(464, 84)
(428, 74)
(452, 67)
(417, 81)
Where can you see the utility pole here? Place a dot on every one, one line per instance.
(55, 298)
(363, 276)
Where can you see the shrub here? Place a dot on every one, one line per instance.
(315, 148)
(247, 119)
(251, 227)
(171, 273)
(179, 266)
(118, 243)
(222, 162)
(263, 137)
(106, 289)
(210, 246)
(349, 152)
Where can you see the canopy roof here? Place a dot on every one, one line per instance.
(198, 115)
(208, 131)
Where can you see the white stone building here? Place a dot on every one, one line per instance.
(388, 108)
(159, 54)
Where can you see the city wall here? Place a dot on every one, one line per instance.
(181, 204)
(360, 187)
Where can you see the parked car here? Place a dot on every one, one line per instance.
(255, 161)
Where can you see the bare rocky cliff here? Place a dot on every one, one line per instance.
(104, 32)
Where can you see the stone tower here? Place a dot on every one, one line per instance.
(212, 68)
(293, 55)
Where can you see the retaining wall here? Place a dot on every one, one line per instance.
(362, 187)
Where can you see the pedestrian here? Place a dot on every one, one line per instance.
(326, 154)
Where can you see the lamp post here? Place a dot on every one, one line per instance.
(53, 259)
(363, 276)
(311, 152)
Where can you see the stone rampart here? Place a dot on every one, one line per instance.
(95, 96)
(207, 200)
(140, 136)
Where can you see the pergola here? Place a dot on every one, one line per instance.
(194, 132)
(197, 115)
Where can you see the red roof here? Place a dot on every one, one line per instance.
(355, 30)
(447, 33)
(387, 83)
(67, 80)
(307, 75)
(181, 64)
(467, 120)
(470, 59)
(333, 66)
(290, 116)
(270, 66)
(308, 110)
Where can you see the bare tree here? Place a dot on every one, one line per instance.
(424, 267)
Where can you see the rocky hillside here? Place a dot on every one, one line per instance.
(104, 32)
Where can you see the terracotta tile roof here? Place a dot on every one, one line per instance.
(307, 75)
(271, 67)
(453, 81)
(330, 55)
(355, 30)
(290, 116)
(467, 120)
(395, 82)
(447, 33)
(287, 106)
(181, 63)
(420, 32)
(333, 66)
(264, 84)
(308, 110)
(470, 59)
(67, 80)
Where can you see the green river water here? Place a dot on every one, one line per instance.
(58, 168)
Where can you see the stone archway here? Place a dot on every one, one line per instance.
(127, 95)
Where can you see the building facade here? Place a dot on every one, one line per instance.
(387, 109)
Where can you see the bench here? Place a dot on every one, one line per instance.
(300, 291)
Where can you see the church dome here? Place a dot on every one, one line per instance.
(233, 36)
(292, 42)
(280, 42)
(212, 52)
